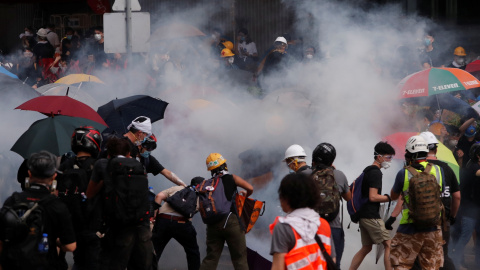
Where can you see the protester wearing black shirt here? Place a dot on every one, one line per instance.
(58, 224)
(372, 227)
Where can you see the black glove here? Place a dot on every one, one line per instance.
(389, 222)
(452, 220)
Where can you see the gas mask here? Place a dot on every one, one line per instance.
(460, 60)
(386, 164)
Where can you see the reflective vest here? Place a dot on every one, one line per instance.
(436, 171)
(306, 255)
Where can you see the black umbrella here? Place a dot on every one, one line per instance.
(13, 91)
(119, 113)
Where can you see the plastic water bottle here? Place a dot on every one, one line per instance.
(151, 198)
(84, 197)
(43, 245)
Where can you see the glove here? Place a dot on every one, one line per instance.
(389, 222)
(452, 220)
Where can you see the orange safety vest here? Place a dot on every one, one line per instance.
(306, 255)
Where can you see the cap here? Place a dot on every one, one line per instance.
(471, 131)
(42, 32)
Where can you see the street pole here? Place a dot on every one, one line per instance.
(128, 16)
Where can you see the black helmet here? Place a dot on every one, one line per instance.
(150, 143)
(474, 151)
(86, 139)
(324, 153)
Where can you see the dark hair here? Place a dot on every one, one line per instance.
(42, 165)
(69, 29)
(139, 120)
(299, 191)
(98, 28)
(383, 148)
(196, 180)
(222, 167)
(117, 146)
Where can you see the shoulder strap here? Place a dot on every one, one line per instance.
(412, 170)
(328, 258)
(428, 168)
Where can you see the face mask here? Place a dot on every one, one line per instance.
(28, 54)
(309, 56)
(242, 38)
(460, 61)
(453, 142)
(230, 60)
(145, 154)
(69, 36)
(54, 69)
(98, 37)
(427, 42)
(386, 164)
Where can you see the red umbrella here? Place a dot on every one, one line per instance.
(61, 105)
(473, 66)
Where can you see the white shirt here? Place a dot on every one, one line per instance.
(251, 48)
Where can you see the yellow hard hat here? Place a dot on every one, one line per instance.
(459, 51)
(227, 53)
(228, 45)
(214, 160)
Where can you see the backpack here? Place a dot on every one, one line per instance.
(126, 192)
(354, 206)
(213, 205)
(22, 232)
(329, 203)
(425, 205)
(184, 201)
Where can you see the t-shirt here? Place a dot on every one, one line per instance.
(464, 144)
(52, 38)
(450, 183)
(166, 208)
(343, 188)
(58, 223)
(283, 239)
(250, 48)
(100, 172)
(470, 188)
(371, 179)
(43, 49)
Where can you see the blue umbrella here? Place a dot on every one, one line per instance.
(119, 113)
(8, 73)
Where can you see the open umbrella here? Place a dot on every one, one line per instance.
(174, 31)
(7, 72)
(78, 78)
(12, 90)
(399, 139)
(52, 134)
(473, 66)
(62, 105)
(119, 113)
(435, 81)
(60, 89)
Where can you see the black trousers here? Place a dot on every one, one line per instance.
(183, 232)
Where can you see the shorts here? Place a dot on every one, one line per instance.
(426, 245)
(373, 231)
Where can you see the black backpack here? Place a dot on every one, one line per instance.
(72, 186)
(22, 231)
(126, 192)
(184, 201)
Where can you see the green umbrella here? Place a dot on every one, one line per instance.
(52, 134)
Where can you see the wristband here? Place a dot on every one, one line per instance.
(388, 196)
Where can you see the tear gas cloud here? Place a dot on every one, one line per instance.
(344, 100)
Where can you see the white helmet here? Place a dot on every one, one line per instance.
(281, 39)
(429, 137)
(295, 150)
(416, 144)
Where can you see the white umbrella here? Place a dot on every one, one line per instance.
(58, 89)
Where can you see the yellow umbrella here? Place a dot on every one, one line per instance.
(78, 78)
